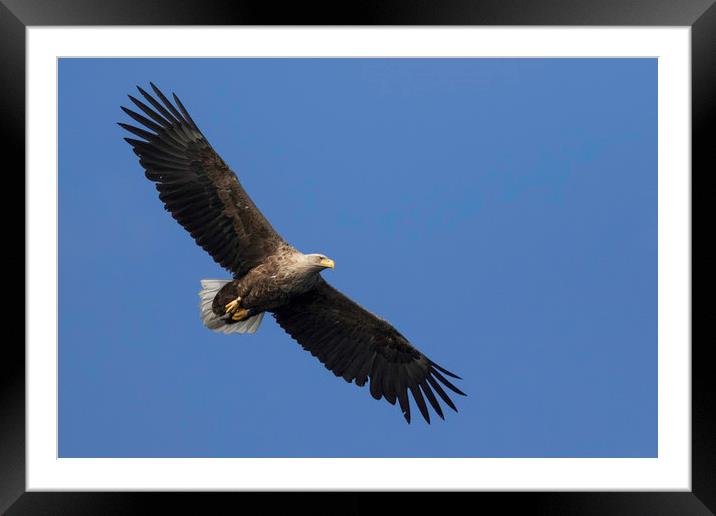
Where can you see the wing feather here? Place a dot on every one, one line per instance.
(357, 345)
(197, 188)
(435, 385)
(431, 398)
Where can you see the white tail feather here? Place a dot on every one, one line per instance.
(209, 289)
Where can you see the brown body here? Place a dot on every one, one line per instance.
(268, 286)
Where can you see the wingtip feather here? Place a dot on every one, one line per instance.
(451, 374)
(447, 383)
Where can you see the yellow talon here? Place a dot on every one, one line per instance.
(240, 314)
(233, 306)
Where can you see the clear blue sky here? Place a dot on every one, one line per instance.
(502, 214)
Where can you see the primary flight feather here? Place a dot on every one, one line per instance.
(204, 195)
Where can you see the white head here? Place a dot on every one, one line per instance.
(318, 262)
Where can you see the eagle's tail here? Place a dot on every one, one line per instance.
(209, 289)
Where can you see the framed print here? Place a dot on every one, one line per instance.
(511, 190)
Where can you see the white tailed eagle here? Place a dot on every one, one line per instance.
(204, 195)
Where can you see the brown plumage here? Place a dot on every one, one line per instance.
(204, 195)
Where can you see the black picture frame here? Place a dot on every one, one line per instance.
(16, 15)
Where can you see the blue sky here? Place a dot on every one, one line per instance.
(501, 213)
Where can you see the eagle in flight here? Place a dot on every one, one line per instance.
(269, 275)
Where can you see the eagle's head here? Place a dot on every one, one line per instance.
(319, 262)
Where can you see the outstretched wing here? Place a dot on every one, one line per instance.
(197, 187)
(357, 345)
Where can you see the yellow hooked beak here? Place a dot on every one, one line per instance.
(327, 262)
